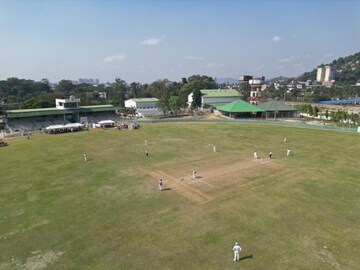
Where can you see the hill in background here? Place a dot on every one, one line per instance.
(347, 70)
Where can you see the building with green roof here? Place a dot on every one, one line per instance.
(66, 111)
(278, 109)
(240, 108)
(144, 106)
(11, 114)
(215, 97)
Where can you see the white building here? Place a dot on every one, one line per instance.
(70, 103)
(102, 95)
(325, 74)
(216, 97)
(144, 106)
(320, 74)
(256, 86)
(142, 103)
(329, 73)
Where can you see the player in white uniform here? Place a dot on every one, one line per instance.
(236, 250)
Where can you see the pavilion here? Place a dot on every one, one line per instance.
(240, 109)
(277, 109)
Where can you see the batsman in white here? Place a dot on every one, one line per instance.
(236, 250)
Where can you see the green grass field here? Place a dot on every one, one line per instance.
(297, 212)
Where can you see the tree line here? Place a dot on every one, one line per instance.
(28, 94)
(313, 94)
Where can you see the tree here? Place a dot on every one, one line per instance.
(2, 110)
(244, 91)
(196, 82)
(118, 92)
(175, 104)
(135, 89)
(315, 111)
(163, 105)
(158, 88)
(32, 103)
(41, 87)
(65, 87)
(196, 103)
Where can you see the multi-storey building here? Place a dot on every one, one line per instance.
(325, 74)
(256, 86)
(329, 73)
(320, 75)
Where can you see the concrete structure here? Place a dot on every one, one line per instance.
(64, 104)
(325, 74)
(320, 74)
(145, 107)
(37, 119)
(244, 78)
(67, 111)
(215, 97)
(141, 103)
(329, 73)
(256, 86)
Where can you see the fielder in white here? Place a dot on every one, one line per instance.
(288, 152)
(214, 147)
(160, 185)
(236, 250)
(255, 155)
(194, 175)
(85, 157)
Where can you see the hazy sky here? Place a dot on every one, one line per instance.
(147, 40)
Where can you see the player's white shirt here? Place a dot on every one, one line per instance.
(237, 248)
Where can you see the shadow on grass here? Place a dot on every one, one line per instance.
(246, 257)
(166, 189)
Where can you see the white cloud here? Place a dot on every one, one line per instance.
(151, 41)
(286, 60)
(193, 58)
(276, 39)
(115, 58)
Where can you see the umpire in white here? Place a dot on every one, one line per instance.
(236, 250)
